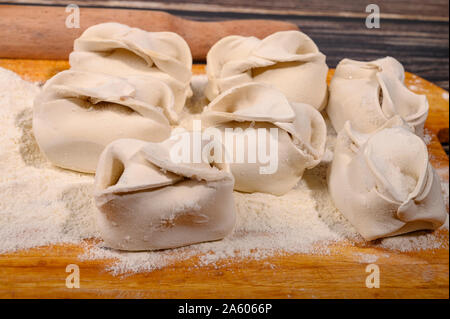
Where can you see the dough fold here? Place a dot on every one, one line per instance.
(123, 83)
(148, 201)
(369, 93)
(78, 113)
(383, 182)
(119, 50)
(269, 141)
(288, 60)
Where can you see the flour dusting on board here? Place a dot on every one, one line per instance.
(41, 204)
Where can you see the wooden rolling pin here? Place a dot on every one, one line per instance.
(39, 32)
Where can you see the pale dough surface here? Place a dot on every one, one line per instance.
(383, 182)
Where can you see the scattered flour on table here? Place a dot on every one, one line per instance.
(366, 258)
(427, 136)
(445, 191)
(41, 204)
(417, 241)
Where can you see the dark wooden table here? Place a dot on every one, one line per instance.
(416, 32)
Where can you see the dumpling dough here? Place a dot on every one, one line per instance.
(78, 113)
(383, 183)
(369, 93)
(119, 50)
(146, 201)
(301, 136)
(288, 60)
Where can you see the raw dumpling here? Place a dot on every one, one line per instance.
(266, 163)
(288, 60)
(383, 183)
(78, 113)
(119, 50)
(369, 93)
(148, 201)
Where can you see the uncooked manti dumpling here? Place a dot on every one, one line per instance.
(148, 201)
(369, 93)
(288, 60)
(78, 113)
(383, 183)
(288, 137)
(119, 50)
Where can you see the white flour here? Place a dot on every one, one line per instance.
(366, 258)
(41, 204)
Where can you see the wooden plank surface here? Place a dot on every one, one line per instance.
(414, 31)
(40, 32)
(436, 10)
(40, 272)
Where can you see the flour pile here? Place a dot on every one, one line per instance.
(41, 204)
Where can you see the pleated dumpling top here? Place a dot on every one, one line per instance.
(78, 113)
(274, 140)
(383, 182)
(146, 200)
(368, 94)
(288, 60)
(119, 50)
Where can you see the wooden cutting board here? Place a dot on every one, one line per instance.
(40, 272)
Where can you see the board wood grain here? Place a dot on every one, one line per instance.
(39, 32)
(40, 272)
(435, 10)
